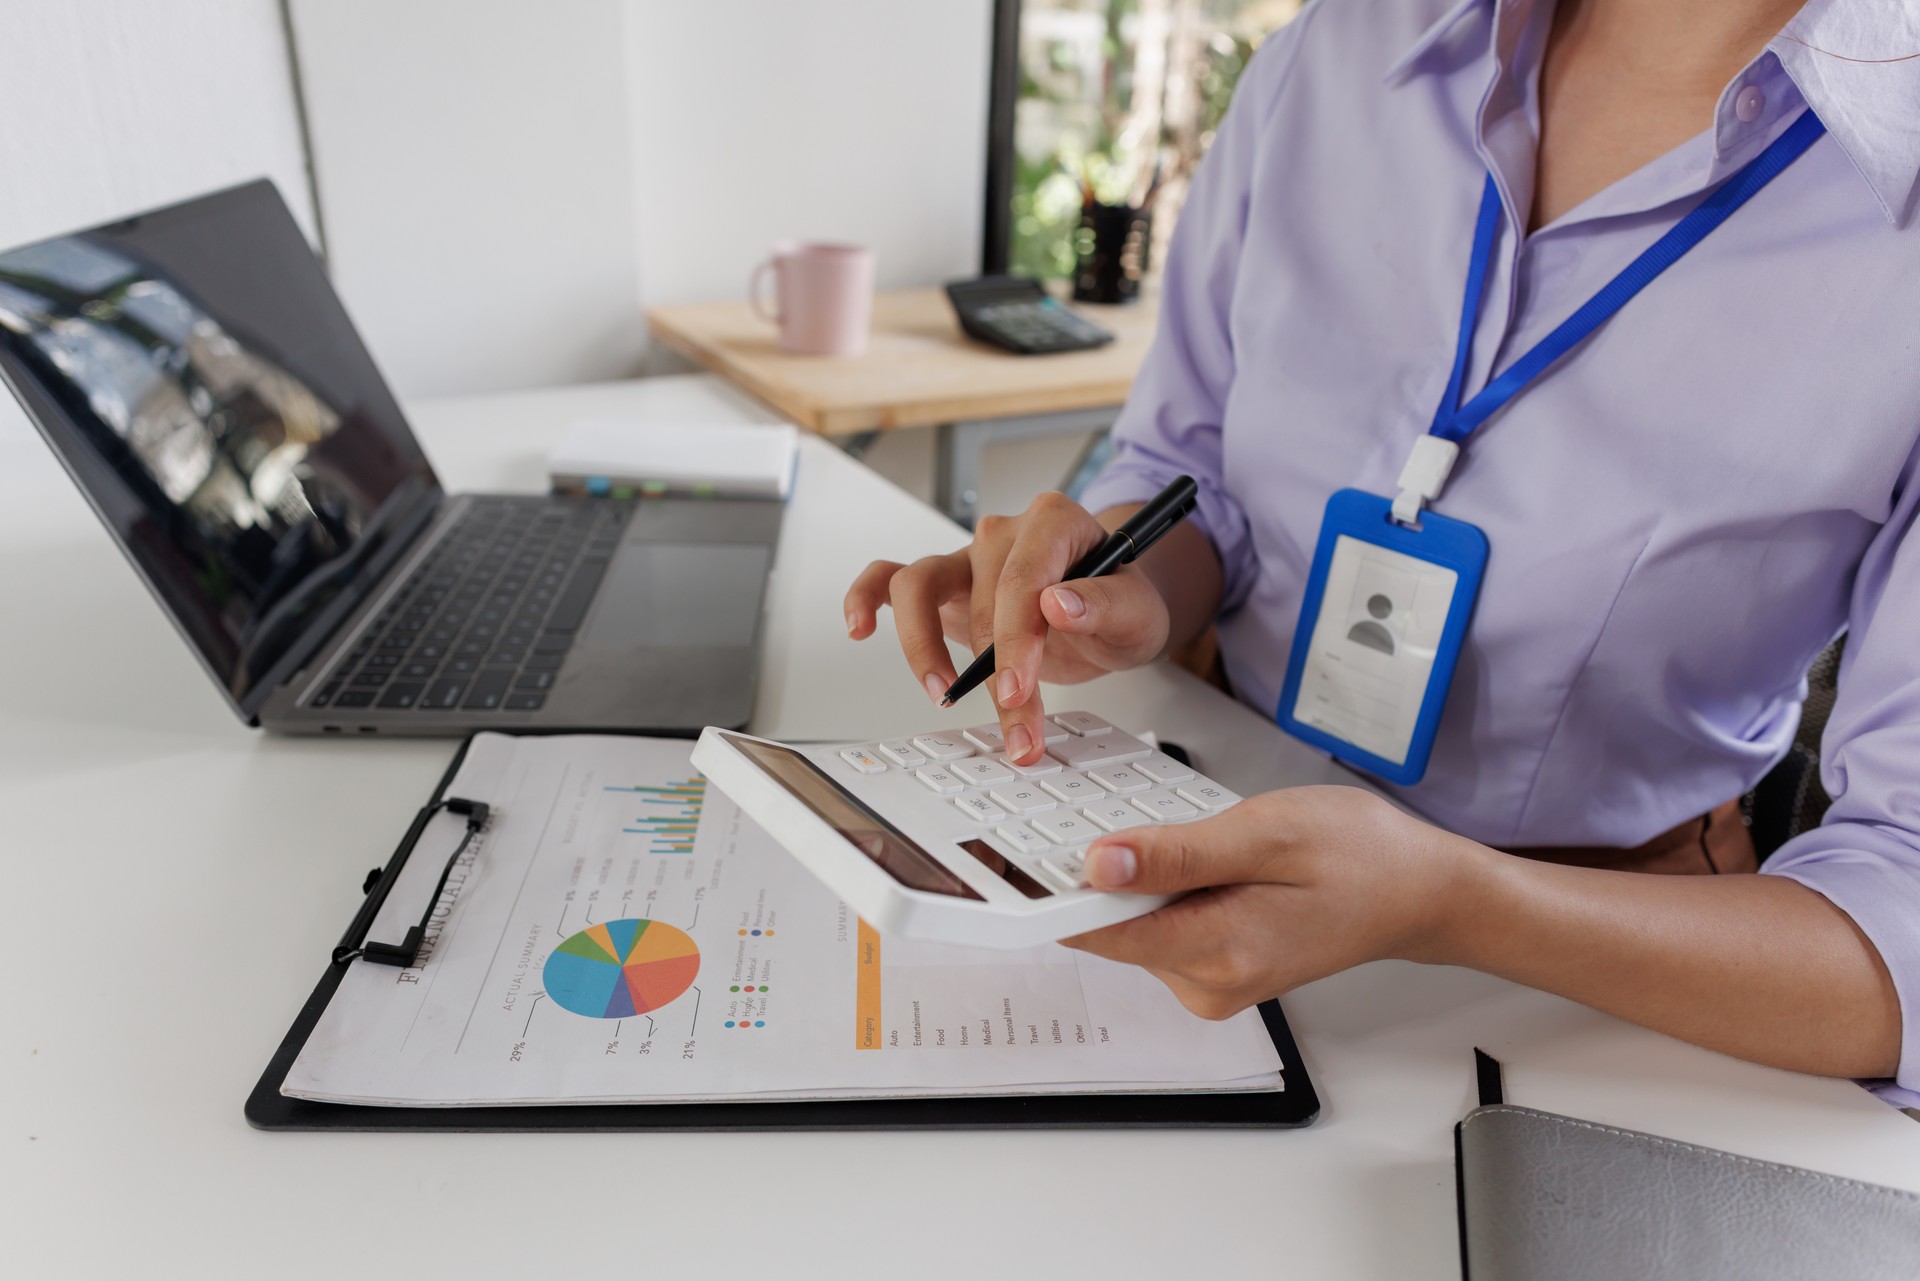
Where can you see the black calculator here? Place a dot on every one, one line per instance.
(1016, 314)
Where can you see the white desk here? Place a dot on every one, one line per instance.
(174, 883)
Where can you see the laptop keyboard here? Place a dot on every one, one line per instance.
(486, 620)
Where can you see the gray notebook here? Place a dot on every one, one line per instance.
(1551, 1198)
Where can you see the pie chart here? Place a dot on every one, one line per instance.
(621, 968)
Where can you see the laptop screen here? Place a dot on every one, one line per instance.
(199, 378)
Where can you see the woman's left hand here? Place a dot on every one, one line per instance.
(1290, 886)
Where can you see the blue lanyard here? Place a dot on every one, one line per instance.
(1454, 421)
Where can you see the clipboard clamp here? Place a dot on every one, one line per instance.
(404, 953)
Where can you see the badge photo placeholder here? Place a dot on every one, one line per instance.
(1373, 646)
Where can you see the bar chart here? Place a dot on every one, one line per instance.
(666, 817)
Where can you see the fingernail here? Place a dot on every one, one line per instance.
(1069, 602)
(1019, 742)
(1009, 686)
(936, 689)
(853, 623)
(1111, 866)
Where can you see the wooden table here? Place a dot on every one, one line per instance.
(919, 371)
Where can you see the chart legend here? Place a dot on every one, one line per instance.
(621, 968)
(666, 817)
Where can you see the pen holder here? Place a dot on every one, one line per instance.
(1112, 247)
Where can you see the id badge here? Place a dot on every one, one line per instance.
(1380, 629)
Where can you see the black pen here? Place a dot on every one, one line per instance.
(1124, 545)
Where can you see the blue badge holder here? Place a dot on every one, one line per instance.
(1438, 540)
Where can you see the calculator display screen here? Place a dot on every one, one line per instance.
(879, 840)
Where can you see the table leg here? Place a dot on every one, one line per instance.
(857, 445)
(956, 469)
(958, 446)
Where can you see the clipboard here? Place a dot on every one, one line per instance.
(268, 1109)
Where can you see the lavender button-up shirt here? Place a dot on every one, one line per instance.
(1682, 512)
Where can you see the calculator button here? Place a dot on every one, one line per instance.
(901, 753)
(1100, 749)
(1115, 815)
(941, 781)
(1120, 779)
(982, 771)
(1054, 733)
(863, 760)
(1023, 838)
(979, 807)
(1159, 767)
(1164, 804)
(1039, 769)
(987, 738)
(1065, 828)
(943, 747)
(1082, 723)
(1023, 798)
(1206, 794)
(1071, 787)
(1067, 869)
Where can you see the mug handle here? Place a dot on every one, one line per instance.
(756, 296)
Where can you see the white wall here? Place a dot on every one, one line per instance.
(109, 109)
(857, 120)
(507, 185)
(472, 164)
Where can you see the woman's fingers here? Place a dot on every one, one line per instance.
(1055, 532)
(867, 595)
(1123, 611)
(917, 592)
(993, 537)
(1004, 590)
(1229, 849)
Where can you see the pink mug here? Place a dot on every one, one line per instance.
(822, 297)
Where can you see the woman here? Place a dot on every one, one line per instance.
(1682, 510)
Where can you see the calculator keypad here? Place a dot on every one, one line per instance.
(1094, 779)
(943, 747)
(1022, 798)
(901, 752)
(982, 771)
(1109, 748)
(987, 738)
(1072, 787)
(1119, 779)
(941, 781)
(1039, 769)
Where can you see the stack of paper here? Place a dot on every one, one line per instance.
(626, 459)
(619, 933)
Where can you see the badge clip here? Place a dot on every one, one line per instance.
(1424, 476)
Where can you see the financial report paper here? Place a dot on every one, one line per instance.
(618, 932)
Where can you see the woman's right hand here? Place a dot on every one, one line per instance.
(1005, 589)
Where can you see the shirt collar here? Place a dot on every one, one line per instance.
(1865, 105)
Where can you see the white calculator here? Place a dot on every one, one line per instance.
(940, 837)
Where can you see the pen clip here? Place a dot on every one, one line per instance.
(1137, 547)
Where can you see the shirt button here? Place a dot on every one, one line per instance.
(1749, 103)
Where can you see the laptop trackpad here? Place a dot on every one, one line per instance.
(680, 594)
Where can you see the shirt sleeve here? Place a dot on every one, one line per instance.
(1171, 422)
(1865, 855)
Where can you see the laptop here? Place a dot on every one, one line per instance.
(200, 381)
